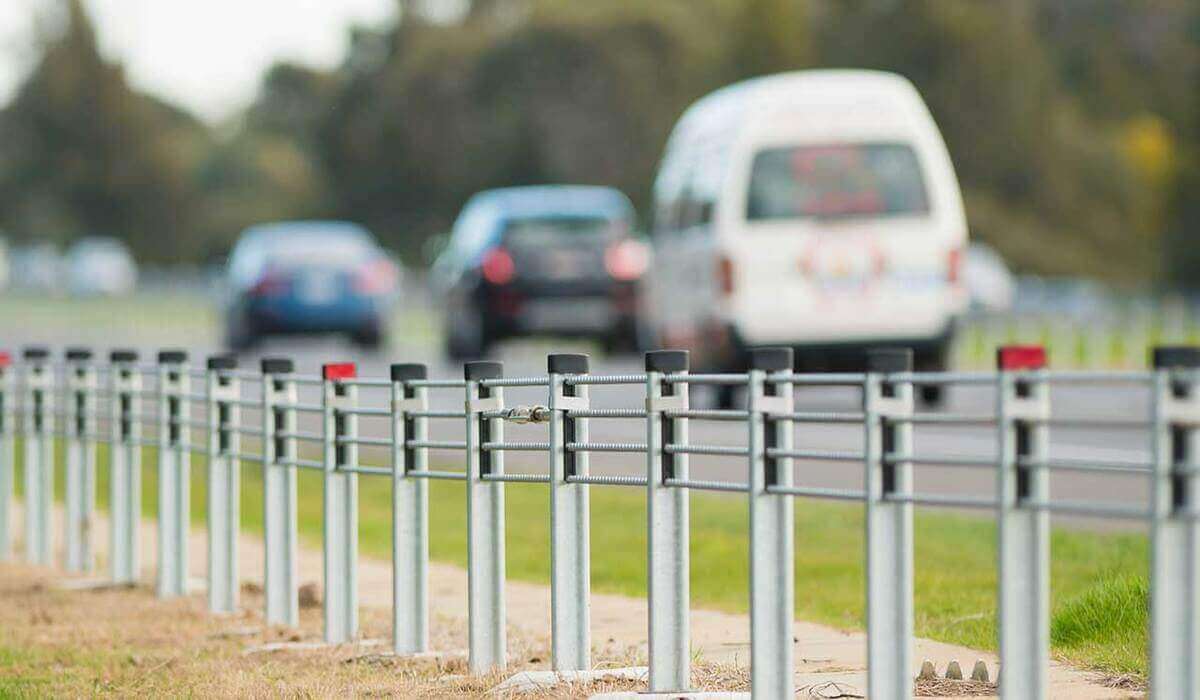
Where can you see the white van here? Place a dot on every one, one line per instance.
(815, 209)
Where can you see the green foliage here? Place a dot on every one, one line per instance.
(1074, 126)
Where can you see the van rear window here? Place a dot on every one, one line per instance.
(836, 180)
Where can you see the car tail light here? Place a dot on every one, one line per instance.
(497, 266)
(626, 260)
(270, 284)
(376, 278)
(954, 266)
(725, 274)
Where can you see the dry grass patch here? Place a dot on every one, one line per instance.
(125, 642)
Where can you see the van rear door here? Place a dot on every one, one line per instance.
(840, 242)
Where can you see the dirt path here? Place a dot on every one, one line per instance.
(618, 623)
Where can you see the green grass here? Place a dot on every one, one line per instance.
(1098, 599)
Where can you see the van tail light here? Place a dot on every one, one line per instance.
(725, 274)
(954, 266)
(272, 283)
(497, 266)
(626, 260)
(376, 278)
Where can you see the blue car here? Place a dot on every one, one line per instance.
(308, 277)
(541, 261)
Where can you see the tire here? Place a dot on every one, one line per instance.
(466, 338)
(239, 337)
(931, 396)
(368, 338)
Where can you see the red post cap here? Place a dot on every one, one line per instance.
(1013, 357)
(339, 370)
(5, 358)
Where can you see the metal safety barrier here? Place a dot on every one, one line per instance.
(256, 417)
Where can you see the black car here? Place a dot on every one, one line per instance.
(541, 261)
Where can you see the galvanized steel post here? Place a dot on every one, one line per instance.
(341, 503)
(39, 456)
(7, 456)
(410, 513)
(772, 554)
(1022, 483)
(223, 391)
(667, 525)
(1175, 525)
(281, 592)
(79, 428)
(889, 524)
(487, 645)
(174, 473)
(125, 467)
(570, 572)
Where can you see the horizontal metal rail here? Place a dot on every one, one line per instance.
(607, 413)
(598, 480)
(822, 455)
(516, 446)
(517, 478)
(830, 379)
(515, 381)
(367, 382)
(437, 444)
(369, 441)
(369, 471)
(709, 414)
(818, 492)
(599, 379)
(822, 416)
(307, 407)
(715, 450)
(1090, 465)
(1098, 509)
(436, 414)
(946, 419)
(366, 412)
(300, 435)
(941, 460)
(706, 379)
(437, 383)
(301, 463)
(445, 476)
(606, 446)
(703, 485)
(947, 501)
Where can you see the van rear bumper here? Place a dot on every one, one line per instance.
(929, 352)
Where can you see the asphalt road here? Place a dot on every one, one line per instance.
(528, 358)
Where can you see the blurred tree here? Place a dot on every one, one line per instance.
(85, 154)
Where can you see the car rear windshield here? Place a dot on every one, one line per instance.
(836, 180)
(305, 249)
(542, 231)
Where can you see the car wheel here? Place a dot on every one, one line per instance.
(370, 338)
(465, 337)
(931, 396)
(239, 337)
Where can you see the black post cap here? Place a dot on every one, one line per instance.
(222, 362)
(276, 365)
(408, 371)
(36, 352)
(78, 354)
(567, 363)
(1176, 357)
(667, 361)
(172, 357)
(771, 359)
(123, 355)
(887, 360)
(483, 370)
